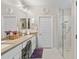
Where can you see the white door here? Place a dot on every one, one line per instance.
(45, 32)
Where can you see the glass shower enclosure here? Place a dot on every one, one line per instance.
(65, 42)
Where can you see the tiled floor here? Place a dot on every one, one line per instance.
(51, 54)
(55, 54)
(68, 54)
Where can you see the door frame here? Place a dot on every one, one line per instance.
(47, 16)
(74, 29)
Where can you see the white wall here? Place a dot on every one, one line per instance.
(38, 11)
(10, 19)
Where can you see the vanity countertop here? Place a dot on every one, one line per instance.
(7, 45)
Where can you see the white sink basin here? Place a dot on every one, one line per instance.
(4, 45)
(3, 41)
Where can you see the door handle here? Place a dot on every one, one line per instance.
(76, 36)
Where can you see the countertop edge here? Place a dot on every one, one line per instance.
(16, 44)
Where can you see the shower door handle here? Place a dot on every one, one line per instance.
(76, 36)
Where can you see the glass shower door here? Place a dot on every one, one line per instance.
(66, 36)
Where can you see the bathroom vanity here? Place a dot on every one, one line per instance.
(12, 49)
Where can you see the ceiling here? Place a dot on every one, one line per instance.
(41, 3)
(48, 3)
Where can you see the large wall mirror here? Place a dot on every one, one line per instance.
(23, 23)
